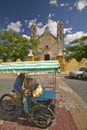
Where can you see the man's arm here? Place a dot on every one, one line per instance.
(20, 88)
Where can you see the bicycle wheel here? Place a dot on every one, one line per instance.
(7, 102)
(42, 117)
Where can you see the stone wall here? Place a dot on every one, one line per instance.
(74, 65)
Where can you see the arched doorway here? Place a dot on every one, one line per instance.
(47, 55)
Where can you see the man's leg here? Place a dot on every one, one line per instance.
(19, 97)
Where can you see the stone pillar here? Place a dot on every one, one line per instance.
(30, 56)
(61, 60)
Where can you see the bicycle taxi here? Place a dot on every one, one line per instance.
(41, 105)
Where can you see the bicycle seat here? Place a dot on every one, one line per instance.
(13, 91)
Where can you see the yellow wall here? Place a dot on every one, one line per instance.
(30, 58)
(61, 61)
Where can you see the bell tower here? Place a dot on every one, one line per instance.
(33, 31)
(60, 41)
(60, 36)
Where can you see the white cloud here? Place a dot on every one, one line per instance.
(52, 27)
(40, 30)
(15, 26)
(67, 30)
(53, 2)
(50, 15)
(28, 37)
(31, 22)
(70, 37)
(64, 4)
(81, 4)
(40, 24)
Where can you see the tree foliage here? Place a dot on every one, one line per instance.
(77, 49)
(14, 46)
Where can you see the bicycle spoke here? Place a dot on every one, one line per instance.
(7, 102)
(42, 117)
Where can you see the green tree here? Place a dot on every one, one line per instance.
(14, 46)
(34, 46)
(77, 49)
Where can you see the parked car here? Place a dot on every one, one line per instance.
(80, 74)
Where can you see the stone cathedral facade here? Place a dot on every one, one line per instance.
(50, 46)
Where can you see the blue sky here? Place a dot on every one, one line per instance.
(18, 15)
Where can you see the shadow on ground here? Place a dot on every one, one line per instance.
(16, 116)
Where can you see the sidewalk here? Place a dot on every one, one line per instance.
(74, 104)
(71, 113)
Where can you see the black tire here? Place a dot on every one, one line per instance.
(7, 102)
(42, 117)
(79, 76)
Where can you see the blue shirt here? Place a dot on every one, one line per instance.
(18, 80)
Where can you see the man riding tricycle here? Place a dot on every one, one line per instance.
(35, 92)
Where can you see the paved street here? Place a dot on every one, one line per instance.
(71, 112)
(79, 86)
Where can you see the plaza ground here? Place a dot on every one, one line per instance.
(71, 112)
